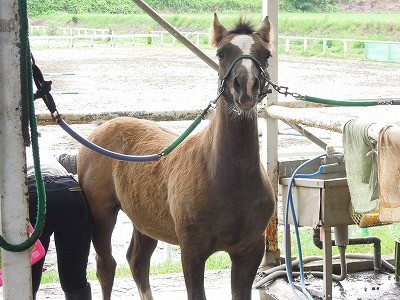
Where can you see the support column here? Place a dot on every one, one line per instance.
(13, 204)
(327, 263)
(272, 253)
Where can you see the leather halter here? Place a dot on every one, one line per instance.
(264, 73)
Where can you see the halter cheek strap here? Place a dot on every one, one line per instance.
(263, 92)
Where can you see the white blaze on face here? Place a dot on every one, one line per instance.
(244, 43)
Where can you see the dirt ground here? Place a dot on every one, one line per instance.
(109, 79)
(139, 78)
(376, 6)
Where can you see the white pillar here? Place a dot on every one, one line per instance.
(272, 253)
(13, 207)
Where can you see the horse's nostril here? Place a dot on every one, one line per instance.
(236, 85)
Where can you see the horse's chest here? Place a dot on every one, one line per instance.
(235, 221)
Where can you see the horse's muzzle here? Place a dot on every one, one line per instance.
(247, 91)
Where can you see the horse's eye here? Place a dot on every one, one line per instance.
(220, 55)
(267, 55)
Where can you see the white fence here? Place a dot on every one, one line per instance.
(345, 43)
(194, 37)
(46, 30)
(112, 39)
(70, 35)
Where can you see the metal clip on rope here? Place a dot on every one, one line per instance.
(335, 102)
(284, 90)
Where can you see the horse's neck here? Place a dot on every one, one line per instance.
(234, 144)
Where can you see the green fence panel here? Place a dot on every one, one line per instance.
(388, 52)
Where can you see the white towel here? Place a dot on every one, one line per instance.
(389, 174)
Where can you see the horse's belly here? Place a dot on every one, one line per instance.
(154, 222)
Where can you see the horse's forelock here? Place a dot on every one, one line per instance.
(243, 26)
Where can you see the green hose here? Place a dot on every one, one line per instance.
(26, 72)
(341, 102)
(179, 139)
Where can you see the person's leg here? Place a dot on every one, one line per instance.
(72, 236)
(37, 268)
(83, 293)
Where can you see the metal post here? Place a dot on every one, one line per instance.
(327, 263)
(13, 207)
(272, 253)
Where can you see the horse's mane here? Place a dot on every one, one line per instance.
(243, 26)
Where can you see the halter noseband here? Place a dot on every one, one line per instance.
(263, 92)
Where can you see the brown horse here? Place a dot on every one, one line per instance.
(210, 194)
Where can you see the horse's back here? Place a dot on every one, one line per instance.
(125, 135)
(131, 133)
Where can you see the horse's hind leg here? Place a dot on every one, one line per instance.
(244, 269)
(101, 238)
(138, 255)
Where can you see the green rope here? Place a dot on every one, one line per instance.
(179, 139)
(341, 102)
(26, 72)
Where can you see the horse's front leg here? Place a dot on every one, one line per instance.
(194, 255)
(244, 269)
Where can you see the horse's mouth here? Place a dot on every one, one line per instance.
(247, 106)
(243, 111)
(246, 102)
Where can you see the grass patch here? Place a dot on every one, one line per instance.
(132, 23)
(217, 261)
(387, 234)
(221, 260)
(373, 26)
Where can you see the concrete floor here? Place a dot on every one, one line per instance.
(357, 286)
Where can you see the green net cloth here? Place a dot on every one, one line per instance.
(361, 166)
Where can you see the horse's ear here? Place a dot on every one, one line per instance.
(264, 31)
(218, 32)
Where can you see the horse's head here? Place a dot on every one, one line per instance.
(243, 55)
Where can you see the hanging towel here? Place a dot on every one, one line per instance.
(361, 166)
(389, 173)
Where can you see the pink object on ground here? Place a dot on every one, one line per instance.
(36, 254)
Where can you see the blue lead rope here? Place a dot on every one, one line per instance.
(111, 154)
